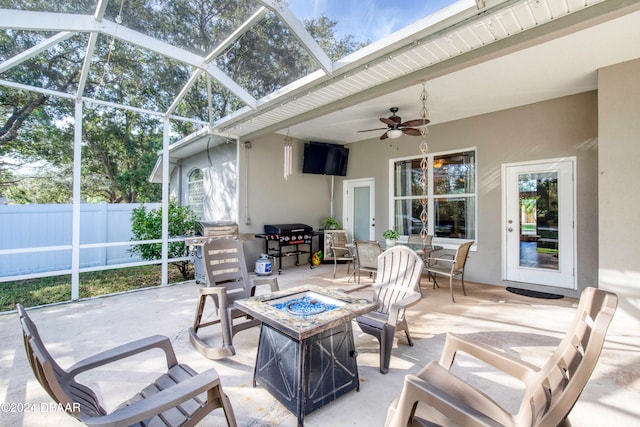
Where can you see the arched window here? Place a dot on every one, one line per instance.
(195, 192)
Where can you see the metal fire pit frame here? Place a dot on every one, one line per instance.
(306, 361)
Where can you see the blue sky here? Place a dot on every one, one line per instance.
(368, 19)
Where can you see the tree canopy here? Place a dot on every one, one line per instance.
(120, 146)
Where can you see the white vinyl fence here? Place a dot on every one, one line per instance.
(27, 229)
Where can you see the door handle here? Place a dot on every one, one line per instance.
(509, 229)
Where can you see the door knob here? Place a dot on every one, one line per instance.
(509, 229)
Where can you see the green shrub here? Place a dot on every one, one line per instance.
(147, 225)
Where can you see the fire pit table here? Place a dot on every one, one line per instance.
(306, 352)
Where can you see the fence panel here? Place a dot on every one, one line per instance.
(36, 226)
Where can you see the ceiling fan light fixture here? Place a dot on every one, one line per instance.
(394, 133)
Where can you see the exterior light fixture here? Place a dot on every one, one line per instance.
(394, 133)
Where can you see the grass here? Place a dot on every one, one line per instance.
(49, 290)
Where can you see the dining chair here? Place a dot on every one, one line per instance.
(450, 267)
(340, 251)
(367, 253)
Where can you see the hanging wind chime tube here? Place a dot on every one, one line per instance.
(424, 148)
(288, 156)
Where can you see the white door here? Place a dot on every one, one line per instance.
(539, 235)
(359, 213)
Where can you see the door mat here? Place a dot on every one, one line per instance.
(533, 294)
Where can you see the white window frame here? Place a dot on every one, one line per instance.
(446, 243)
(190, 183)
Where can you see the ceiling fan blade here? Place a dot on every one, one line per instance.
(369, 130)
(416, 122)
(384, 136)
(391, 121)
(411, 131)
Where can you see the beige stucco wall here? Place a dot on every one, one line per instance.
(565, 127)
(619, 174)
(219, 168)
(266, 197)
(600, 129)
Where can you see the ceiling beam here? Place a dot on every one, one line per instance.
(300, 33)
(35, 50)
(47, 21)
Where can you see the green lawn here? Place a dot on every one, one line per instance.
(54, 289)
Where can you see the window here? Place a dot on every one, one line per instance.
(195, 193)
(451, 195)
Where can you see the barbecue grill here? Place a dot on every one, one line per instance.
(283, 240)
(206, 231)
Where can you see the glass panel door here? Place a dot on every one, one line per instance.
(539, 236)
(538, 200)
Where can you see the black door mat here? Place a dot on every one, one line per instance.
(533, 294)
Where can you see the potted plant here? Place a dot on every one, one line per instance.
(330, 223)
(391, 236)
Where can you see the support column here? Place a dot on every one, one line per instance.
(165, 202)
(75, 217)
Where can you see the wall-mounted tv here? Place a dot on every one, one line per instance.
(325, 159)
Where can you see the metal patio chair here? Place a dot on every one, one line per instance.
(397, 287)
(550, 391)
(340, 251)
(179, 397)
(450, 267)
(367, 253)
(227, 281)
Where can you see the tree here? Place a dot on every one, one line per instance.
(120, 147)
(147, 225)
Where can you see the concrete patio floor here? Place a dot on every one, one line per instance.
(526, 327)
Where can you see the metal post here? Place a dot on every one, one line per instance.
(165, 202)
(75, 216)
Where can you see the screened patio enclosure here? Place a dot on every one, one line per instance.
(206, 66)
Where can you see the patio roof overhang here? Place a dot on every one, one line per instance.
(442, 49)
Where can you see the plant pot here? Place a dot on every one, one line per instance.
(391, 242)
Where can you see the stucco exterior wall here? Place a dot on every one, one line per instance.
(619, 154)
(219, 166)
(565, 127)
(266, 197)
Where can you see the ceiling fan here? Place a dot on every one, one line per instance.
(395, 127)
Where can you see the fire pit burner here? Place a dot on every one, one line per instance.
(306, 304)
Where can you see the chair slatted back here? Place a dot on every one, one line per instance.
(550, 398)
(399, 271)
(225, 266)
(57, 383)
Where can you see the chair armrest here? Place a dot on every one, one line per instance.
(416, 389)
(271, 281)
(440, 259)
(157, 403)
(404, 303)
(513, 366)
(126, 350)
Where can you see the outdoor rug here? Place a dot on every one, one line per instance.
(533, 294)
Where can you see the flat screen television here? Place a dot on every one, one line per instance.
(325, 159)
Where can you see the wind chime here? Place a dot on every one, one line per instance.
(424, 148)
(288, 156)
